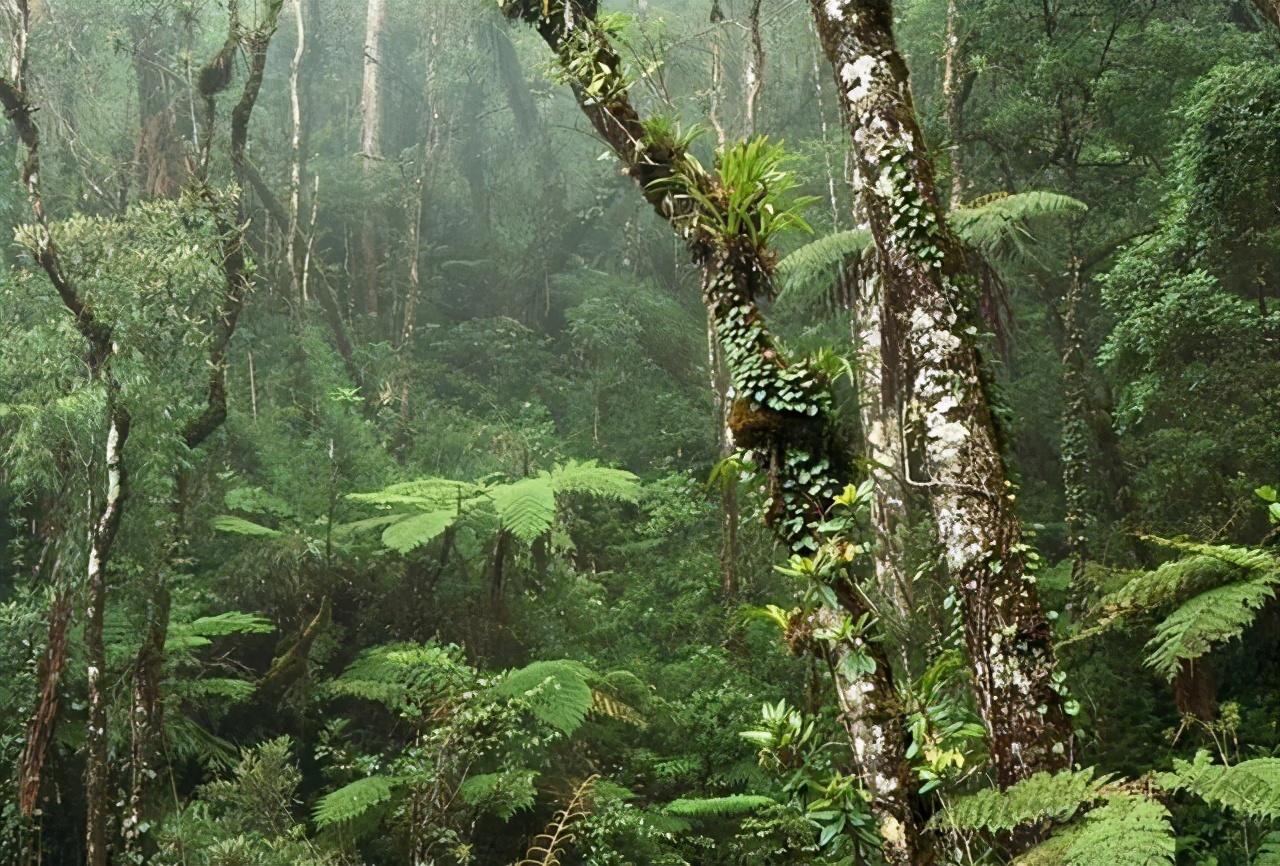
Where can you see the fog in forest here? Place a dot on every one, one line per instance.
(640, 433)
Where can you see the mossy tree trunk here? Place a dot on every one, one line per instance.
(928, 284)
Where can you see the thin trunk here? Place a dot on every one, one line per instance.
(1075, 448)
(929, 287)
(1269, 9)
(717, 73)
(49, 675)
(954, 101)
(294, 249)
(97, 768)
(755, 66)
(729, 511)
(371, 143)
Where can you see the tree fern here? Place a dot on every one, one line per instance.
(1126, 830)
(351, 801)
(557, 692)
(1251, 788)
(1041, 797)
(233, 525)
(717, 807)
(1209, 619)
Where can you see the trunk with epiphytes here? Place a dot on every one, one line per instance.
(371, 144)
(929, 298)
(786, 445)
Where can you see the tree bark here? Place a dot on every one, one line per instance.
(928, 281)
(802, 468)
(371, 143)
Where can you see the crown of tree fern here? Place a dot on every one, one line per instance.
(717, 807)
(806, 275)
(1208, 620)
(1126, 830)
(1251, 788)
(558, 692)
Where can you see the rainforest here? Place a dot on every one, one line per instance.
(640, 432)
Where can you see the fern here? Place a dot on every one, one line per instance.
(1251, 788)
(427, 494)
(557, 692)
(607, 705)
(1126, 830)
(351, 801)
(200, 631)
(239, 526)
(1268, 851)
(416, 530)
(717, 807)
(399, 674)
(504, 794)
(592, 479)
(999, 225)
(1209, 619)
(806, 274)
(1041, 797)
(549, 846)
(527, 507)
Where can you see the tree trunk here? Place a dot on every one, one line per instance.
(927, 278)
(729, 510)
(371, 143)
(1076, 455)
(755, 66)
(97, 768)
(40, 728)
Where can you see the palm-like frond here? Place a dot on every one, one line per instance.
(1000, 225)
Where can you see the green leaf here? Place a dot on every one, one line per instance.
(416, 530)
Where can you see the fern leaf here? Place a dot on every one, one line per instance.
(1041, 797)
(353, 800)
(402, 673)
(717, 807)
(556, 691)
(239, 526)
(999, 225)
(527, 507)
(592, 479)
(503, 794)
(1209, 619)
(1127, 830)
(416, 530)
(1251, 788)
(426, 494)
(807, 274)
(550, 844)
(607, 705)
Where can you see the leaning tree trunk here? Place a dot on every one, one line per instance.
(801, 465)
(927, 277)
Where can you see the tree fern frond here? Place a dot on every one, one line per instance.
(1211, 618)
(806, 275)
(416, 530)
(427, 494)
(1126, 830)
(229, 523)
(717, 807)
(527, 507)
(999, 225)
(557, 692)
(590, 478)
(1043, 796)
(504, 794)
(1251, 788)
(549, 846)
(607, 705)
(353, 800)
(402, 673)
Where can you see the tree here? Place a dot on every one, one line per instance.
(929, 285)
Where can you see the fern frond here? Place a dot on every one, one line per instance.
(426, 494)
(999, 225)
(806, 275)
(717, 807)
(200, 631)
(592, 479)
(353, 800)
(402, 673)
(416, 530)
(1041, 797)
(527, 507)
(503, 794)
(1251, 788)
(607, 705)
(549, 846)
(1126, 830)
(557, 692)
(1211, 618)
(239, 526)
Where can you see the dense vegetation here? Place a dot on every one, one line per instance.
(648, 432)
